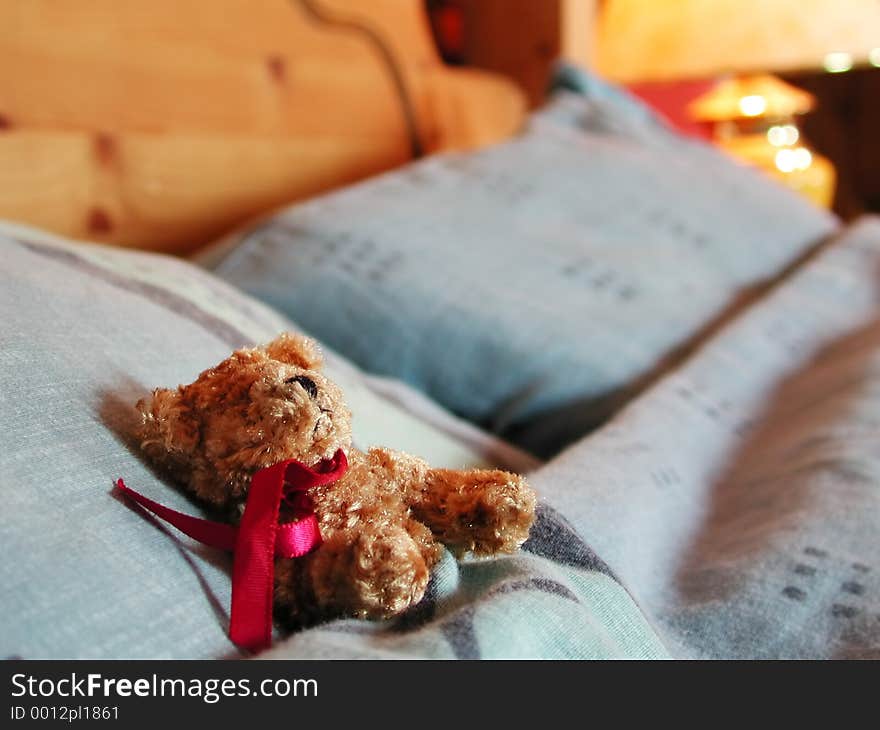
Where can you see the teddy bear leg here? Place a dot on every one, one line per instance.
(375, 571)
(482, 511)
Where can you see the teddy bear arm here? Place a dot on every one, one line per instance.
(482, 511)
(398, 472)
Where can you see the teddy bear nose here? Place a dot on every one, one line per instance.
(307, 384)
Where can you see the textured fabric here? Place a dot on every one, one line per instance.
(85, 332)
(533, 286)
(739, 499)
(576, 79)
(556, 600)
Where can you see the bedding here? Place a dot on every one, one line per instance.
(584, 256)
(570, 77)
(738, 498)
(86, 331)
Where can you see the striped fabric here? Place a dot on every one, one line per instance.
(85, 332)
(739, 498)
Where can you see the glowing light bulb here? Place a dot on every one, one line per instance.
(838, 62)
(802, 158)
(753, 105)
(789, 160)
(874, 57)
(785, 160)
(784, 135)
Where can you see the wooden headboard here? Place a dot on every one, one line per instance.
(161, 124)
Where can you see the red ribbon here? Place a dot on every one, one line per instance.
(259, 538)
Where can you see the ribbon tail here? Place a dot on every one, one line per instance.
(213, 534)
(253, 570)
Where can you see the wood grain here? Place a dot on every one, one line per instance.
(160, 124)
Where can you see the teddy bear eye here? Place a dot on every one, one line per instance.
(307, 384)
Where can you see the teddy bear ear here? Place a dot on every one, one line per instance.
(168, 424)
(296, 350)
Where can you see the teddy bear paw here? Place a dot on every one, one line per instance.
(501, 516)
(389, 573)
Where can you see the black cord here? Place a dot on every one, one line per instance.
(317, 13)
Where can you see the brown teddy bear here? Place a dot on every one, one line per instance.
(381, 523)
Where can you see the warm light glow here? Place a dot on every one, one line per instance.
(802, 158)
(838, 62)
(789, 160)
(751, 96)
(753, 105)
(650, 40)
(874, 57)
(785, 160)
(784, 135)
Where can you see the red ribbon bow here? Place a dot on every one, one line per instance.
(258, 539)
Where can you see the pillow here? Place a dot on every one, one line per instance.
(738, 497)
(532, 286)
(578, 80)
(86, 331)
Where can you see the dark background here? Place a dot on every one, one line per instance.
(845, 127)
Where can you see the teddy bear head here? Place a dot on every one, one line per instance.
(256, 408)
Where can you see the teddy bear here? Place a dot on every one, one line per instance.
(382, 524)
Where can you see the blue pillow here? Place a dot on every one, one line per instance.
(578, 80)
(532, 286)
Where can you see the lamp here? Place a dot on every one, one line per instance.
(753, 115)
(755, 119)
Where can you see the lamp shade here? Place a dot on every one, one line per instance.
(647, 40)
(746, 97)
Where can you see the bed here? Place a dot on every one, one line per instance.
(678, 352)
